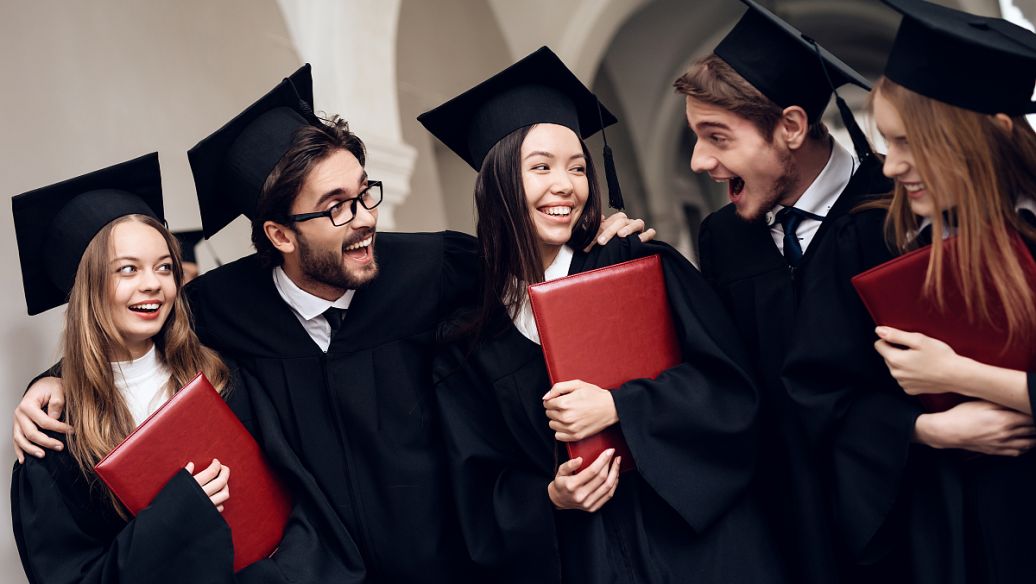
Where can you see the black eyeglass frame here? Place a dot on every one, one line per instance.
(352, 201)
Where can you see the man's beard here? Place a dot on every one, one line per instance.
(781, 186)
(327, 267)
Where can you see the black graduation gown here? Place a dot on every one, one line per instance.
(354, 428)
(682, 516)
(67, 530)
(761, 294)
(912, 512)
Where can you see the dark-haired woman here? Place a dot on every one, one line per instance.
(934, 497)
(527, 515)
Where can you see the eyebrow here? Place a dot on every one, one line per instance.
(133, 259)
(714, 125)
(551, 156)
(339, 191)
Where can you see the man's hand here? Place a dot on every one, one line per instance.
(578, 409)
(978, 426)
(588, 490)
(620, 225)
(40, 409)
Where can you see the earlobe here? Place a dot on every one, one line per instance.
(795, 126)
(280, 236)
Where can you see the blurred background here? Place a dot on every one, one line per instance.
(89, 84)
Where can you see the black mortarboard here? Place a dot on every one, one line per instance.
(983, 64)
(782, 63)
(231, 165)
(188, 241)
(790, 68)
(537, 89)
(54, 224)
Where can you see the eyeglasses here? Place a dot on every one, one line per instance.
(344, 211)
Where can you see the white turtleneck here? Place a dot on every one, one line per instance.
(143, 383)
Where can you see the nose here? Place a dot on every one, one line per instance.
(563, 184)
(149, 281)
(701, 161)
(894, 165)
(364, 217)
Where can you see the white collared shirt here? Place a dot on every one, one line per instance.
(524, 320)
(818, 198)
(309, 309)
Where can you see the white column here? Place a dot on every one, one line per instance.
(352, 47)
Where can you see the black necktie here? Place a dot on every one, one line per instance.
(334, 317)
(789, 218)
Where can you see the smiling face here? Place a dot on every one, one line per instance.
(759, 172)
(327, 259)
(143, 285)
(899, 162)
(554, 177)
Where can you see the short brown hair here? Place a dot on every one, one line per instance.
(713, 81)
(310, 145)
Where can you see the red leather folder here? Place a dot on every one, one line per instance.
(606, 327)
(197, 425)
(894, 295)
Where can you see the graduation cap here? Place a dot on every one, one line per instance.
(982, 64)
(232, 164)
(790, 68)
(55, 224)
(189, 240)
(537, 89)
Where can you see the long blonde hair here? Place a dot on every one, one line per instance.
(971, 159)
(96, 410)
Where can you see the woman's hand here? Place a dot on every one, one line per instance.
(621, 225)
(588, 490)
(215, 481)
(41, 408)
(577, 410)
(920, 363)
(978, 426)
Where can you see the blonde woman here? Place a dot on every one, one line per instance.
(963, 157)
(128, 346)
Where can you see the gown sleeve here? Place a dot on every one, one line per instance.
(851, 406)
(180, 537)
(692, 430)
(460, 267)
(506, 517)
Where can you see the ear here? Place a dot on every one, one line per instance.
(793, 127)
(280, 236)
(1004, 121)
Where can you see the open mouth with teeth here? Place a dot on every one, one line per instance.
(360, 251)
(735, 185)
(146, 310)
(559, 213)
(913, 189)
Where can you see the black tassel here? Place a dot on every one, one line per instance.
(614, 191)
(860, 144)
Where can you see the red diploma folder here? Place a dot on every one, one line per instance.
(606, 327)
(893, 294)
(197, 425)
